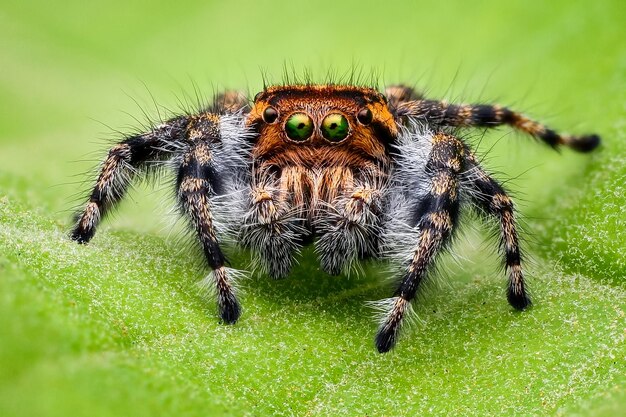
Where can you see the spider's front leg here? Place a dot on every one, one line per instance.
(436, 217)
(441, 113)
(120, 167)
(199, 178)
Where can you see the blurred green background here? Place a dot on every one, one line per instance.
(118, 327)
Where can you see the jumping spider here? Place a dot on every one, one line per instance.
(360, 173)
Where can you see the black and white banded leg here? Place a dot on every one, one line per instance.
(441, 113)
(492, 200)
(197, 181)
(124, 161)
(437, 217)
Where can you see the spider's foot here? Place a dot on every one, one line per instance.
(81, 235)
(228, 305)
(229, 309)
(518, 300)
(389, 330)
(386, 338)
(86, 223)
(586, 143)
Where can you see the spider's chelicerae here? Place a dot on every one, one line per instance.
(358, 173)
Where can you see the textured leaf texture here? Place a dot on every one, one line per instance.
(120, 327)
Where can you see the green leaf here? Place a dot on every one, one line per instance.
(120, 327)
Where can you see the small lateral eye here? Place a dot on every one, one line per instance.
(364, 116)
(299, 127)
(270, 114)
(335, 127)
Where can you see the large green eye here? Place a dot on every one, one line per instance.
(299, 127)
(335, 127)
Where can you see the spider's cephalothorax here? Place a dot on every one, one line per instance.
(358, 173)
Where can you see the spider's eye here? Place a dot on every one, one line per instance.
(364, 116)
(299, 127)
(270, 114)
(335, 127)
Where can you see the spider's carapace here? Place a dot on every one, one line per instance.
(356, 172)
(317, 166)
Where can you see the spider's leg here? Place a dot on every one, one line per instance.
(350, 230)
(231, 101)
(491, 199)
(122, 164)
(272, 225)
(199, 178)
(436, 216)
(440, 113)
(399, 93)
